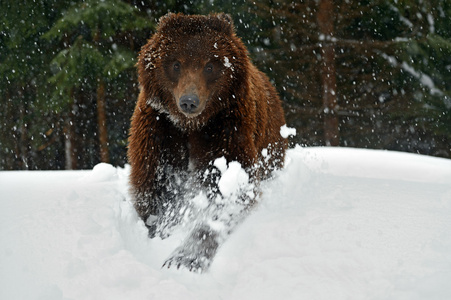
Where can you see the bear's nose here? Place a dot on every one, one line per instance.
(189, 103)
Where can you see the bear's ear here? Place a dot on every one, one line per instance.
(168, 18)
(225, 17)
(226, 23)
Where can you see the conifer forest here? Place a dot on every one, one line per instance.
(365, 74)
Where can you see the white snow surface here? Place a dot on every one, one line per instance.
(335, 223)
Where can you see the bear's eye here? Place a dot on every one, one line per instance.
(176, 66)
(209, 68)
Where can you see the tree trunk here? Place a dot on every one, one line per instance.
(24, 133)
(101, 120)
(70, 150)
(328, 76)
(101, 114)
(24, 138)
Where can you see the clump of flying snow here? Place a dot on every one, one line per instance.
(221, 164)
(233, 177)
(286, 131)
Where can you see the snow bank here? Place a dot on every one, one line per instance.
(334, 224)
(378, 164)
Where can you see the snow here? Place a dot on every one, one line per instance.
(286, 131)
(430, 18)
(227, 63)
(233, 177)
(336, 223)
(425, 79)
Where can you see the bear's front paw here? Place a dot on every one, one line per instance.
(190, 261)
(196, 252)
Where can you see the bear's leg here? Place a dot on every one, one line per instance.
(220, 219)
(170, 187)
(197, 251)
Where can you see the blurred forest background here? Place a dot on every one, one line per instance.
(370, 74)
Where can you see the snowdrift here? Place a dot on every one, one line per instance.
(336, 223)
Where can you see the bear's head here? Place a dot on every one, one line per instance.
(193, 68)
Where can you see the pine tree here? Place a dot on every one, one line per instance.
(91, 56)
(24, 65)
(390, 70)
(392, 61)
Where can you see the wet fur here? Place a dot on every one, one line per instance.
(171, 151)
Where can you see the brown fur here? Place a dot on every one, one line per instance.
(239, 111)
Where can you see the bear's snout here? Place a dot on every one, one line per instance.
(189, 104)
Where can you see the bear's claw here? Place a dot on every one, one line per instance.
(190, 262)
(196, 252)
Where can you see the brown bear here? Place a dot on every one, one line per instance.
(201, 99)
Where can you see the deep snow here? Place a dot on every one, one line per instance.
(336, 223)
